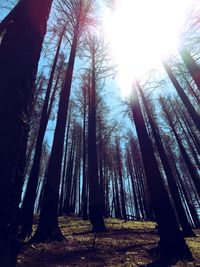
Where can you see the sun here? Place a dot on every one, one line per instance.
(140, 33)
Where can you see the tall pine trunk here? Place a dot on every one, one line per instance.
(191, 65)
(120, 176)
(184, 154)
(172, 244)
(194, 115)
(96, 205)
(48, 227)
(20, 50)
(187, 229)
(27, 210)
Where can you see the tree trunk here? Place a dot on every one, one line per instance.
(191, 65)
(27, 210)
(48, 228)
(172, 244)
(184, 154)
(189, 126)
(84, 197)
(191, 207)
(10, 17)
(96, 207)
(19, 55)
(130, 169)
(63, 180)
(194, 115)
(119, 171)
(186, 227)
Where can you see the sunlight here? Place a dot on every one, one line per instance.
(140, 33)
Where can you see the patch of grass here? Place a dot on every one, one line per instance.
(125, 244)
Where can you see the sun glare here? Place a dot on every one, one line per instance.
(141, 33)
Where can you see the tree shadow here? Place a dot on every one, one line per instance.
(134, 247)
(83, 233)
(156, 264)
(56, 258)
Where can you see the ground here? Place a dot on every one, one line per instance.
(125, 244)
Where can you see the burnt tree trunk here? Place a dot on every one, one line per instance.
(96, 206)
(172, 244)
(186, 227)
(48, 228)
(27, 209)
(184, 154)
(194, 115)
(191, 65)
(19, 55)
(120, 176)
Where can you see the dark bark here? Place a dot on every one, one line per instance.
(172, 244)
(19, 55)
(189, 202)
(118, 213)
(10, 17)
(184, 154)
(27, 210)
(194, 115)
(96, 206)
(193, 93)
(48, 228)
(84, 197)
(69, 176)
(191, 65)
(186, 227)
(120, 176)
(63, 182)
(193, 152)
(189, 126)
(133, 178)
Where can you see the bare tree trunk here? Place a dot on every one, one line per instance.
(118, 213)
(63, 181)
(189, 126)
(48, 223)
(184, 154)
(84, 196)
(187, 230)
(27, 209)
(172, 244)
(19, 55)
(10, 17)
(130, 169)
(119, 172)
(194, 115)
(191, 65)
(192, 210)
(194, 94)
(96, 207)
(69, 176)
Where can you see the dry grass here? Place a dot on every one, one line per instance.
(125, 244)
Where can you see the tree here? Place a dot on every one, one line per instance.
(27, 209)
(194, 115)
(120, 176)
(96, 51)
(172, 244)
(20, 50)
(11, 15)
(191, 65)
(187, 230)
(78, 15)
(184, 154)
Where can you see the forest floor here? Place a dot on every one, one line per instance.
(125, 244)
